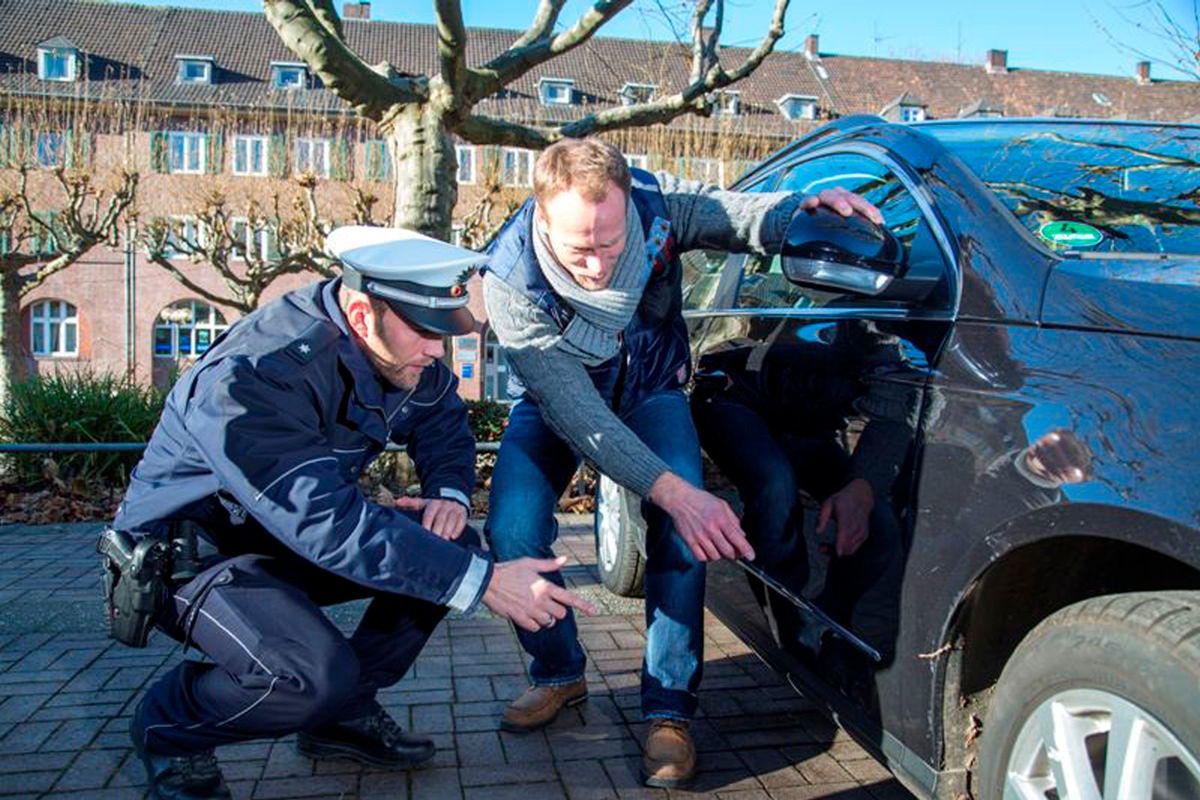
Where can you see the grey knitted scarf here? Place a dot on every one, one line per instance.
(600, 314)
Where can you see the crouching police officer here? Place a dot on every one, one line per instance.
(261, 445)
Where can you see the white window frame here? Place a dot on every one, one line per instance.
(556, 91)
(708, 166)
(524, 169)
(465, 153)
(186, 62)
(495, 370)
(729, 102)
(243, 147)
(255, 241)
(181, 316)
(187, 140)
(280, 69)
(191, 231)
(797, 107)
(457, 229)
(637, 161)
(912, 113)
(70, 63)
(59, 150)
(633, 93)
(54, 319)
(306, 146)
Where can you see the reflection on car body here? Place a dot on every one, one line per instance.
(1020, 396)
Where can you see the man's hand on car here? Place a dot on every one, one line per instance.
(844, 203)
(705, 522)
(851, 507)
(519, 592)
(446, 518)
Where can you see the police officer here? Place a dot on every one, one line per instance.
(261, 444)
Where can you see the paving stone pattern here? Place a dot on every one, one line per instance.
(66, 693)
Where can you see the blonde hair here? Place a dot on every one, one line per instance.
(589, 166)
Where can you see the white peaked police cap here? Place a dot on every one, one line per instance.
(421, 278)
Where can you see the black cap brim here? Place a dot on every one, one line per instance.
(446, 321)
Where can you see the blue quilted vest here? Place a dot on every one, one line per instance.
(654, 354)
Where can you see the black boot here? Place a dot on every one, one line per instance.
(375, 739)
(192, 777)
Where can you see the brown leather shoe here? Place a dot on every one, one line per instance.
(539, 705)
(670, 758)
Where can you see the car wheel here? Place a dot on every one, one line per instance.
(620, 534)
(1100, 701)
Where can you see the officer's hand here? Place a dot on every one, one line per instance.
(851, 506)
(446, 518)
(705, 521)
(843, 202)
(518, 592)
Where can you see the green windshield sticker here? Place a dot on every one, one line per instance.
(1069, 235)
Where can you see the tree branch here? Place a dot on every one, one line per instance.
(452, 44)
(371, 90)
(543, 23)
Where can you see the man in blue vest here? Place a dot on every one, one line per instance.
(583, 291)
(261, 444)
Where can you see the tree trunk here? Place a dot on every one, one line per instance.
(11, 359)
(426, 170)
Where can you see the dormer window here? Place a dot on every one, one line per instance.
(729, 102)
(632, 93)
(58, 60)
(912, 113)
(556, 91)
(194, 69)
(796, 106)
(289, 75)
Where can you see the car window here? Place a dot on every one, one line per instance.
(702, 269)
(763, 283)
(1110, 188)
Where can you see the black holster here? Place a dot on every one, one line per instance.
(139, 571)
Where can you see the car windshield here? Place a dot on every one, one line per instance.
(1090, 187)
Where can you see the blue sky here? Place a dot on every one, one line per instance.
(1038, 34)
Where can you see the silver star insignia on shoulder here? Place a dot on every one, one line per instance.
(303, 348)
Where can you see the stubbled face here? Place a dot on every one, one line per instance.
(397, 350)
(587, 238)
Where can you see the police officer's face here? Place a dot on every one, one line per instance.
(397, 350)
(586, 237)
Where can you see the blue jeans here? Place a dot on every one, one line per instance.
(532, 471)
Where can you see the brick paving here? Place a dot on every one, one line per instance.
(66, 693)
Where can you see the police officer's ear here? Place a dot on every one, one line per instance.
(359, 314)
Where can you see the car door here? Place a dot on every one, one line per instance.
(808, 398)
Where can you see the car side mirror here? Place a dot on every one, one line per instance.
(824, 250)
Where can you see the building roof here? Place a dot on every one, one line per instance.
(131, 51)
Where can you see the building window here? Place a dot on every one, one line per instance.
(312, 155)
(54, 329)
(707, 170)
(184, 235)
(495, 370)
(729, 102)
(517, 167)
(637, 161)
(912, 113)
(187, 329)
(632, 93)
(250, 242)
(456, 233)
(194, 70)
(250, 155)
(795, 107)
(186, 153)
(51, 151)
(466, 163)
(57, 64)
(289, 76)
(378, 161)
(555, 91)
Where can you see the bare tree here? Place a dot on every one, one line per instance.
(419, 113)
(251, 248)
(1174, 31)
(41, 244)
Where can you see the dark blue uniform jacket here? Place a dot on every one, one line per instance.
(276, 422)
(655, 355)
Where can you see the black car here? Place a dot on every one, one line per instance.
(999, 387)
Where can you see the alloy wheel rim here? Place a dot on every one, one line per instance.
(608, 522)
(1089, 744)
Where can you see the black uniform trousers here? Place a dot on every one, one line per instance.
(278, 665)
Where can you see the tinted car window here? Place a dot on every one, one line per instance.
(1136, 184)
(763, 283)
(702, 269)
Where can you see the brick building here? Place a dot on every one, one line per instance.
(208, 105)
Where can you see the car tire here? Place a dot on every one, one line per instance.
(620, 537)
(1109, 675)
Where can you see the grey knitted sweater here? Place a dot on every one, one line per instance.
(702, 217)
